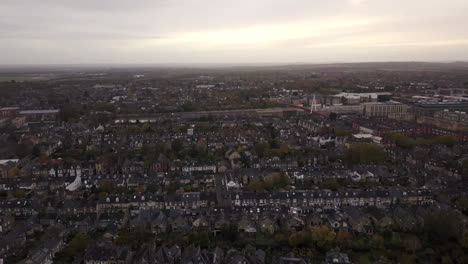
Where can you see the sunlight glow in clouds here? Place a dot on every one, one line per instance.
(262, 34)
(224, 31)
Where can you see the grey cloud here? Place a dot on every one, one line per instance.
(96, 31)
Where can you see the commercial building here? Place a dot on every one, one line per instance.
(430, 108)
(452, 120)
(356, 98)
(379, 109)
(8, 112)
(40, 115)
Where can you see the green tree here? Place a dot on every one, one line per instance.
(177, 145)
(365, 153)
(378, 241)
(75, 247)
(24, 149)
(68, 113)
(261, 148)
(440, 227)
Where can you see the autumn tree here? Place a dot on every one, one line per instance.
(106, 186)
(343, 237)
(294, 240)
(19, 194)
(322, 236)
(412, 243)
(255, 185)
(378, 241)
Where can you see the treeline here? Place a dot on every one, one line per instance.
(271, 148)
(277, 180)
(365, 153)
(410, 142)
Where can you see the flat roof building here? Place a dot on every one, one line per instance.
(378, 109)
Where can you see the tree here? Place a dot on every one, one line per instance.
(440, 227)
(279, 180)
(446, 260)
(106, 186)
(284, 148)
(177, 145)
(201, 146)
(343, 237)
(280, 238)
(19, 194)
(101, 107)
(229, 232)
(152, 188)
(396, 241)
(24, 149)
(109, 161)
(159, 148)
(365, 153)
(36, 151)
(294, 240)
(14, 172)
(255, 185)
(68, 113)
(378, 241)
(261, 148)
(322, 236)
(76, 246)
(447, 140)
(173, 187)
(412, 243)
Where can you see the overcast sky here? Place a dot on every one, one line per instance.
(231, 31)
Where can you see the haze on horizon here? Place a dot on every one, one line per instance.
(225, 31)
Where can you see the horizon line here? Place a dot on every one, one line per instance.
(222, 64)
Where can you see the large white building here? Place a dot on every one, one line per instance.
(383, 109)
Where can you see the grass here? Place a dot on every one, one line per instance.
(331, 90)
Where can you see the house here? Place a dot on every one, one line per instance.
(40, 115)
(6, 224)
(159, 224)
(46, 252)
(201, 223)
(294, 223)
(163, 164)
(268, 225)
(107, 254)
(289, 260)
(179, 224)
(7, 167)
(334, 256)
(246, 225)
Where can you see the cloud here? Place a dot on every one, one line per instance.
(357, 2)
(146, 31)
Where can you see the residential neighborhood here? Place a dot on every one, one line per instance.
(210, 166)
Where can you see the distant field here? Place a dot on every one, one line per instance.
(332, 90)
(21, 78)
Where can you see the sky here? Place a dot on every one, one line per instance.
(231, 31)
